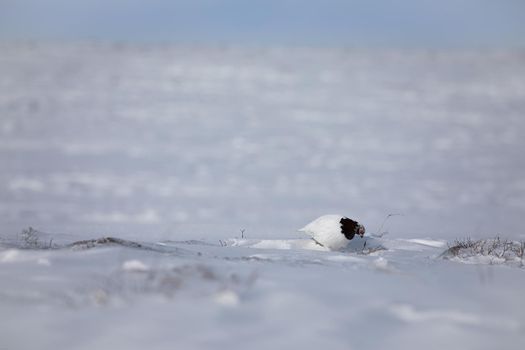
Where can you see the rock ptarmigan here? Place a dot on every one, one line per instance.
(333, 231)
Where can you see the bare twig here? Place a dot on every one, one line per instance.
(381, 234)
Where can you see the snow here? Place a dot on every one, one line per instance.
(185, 173)
(407, 313)
(134, 265)
(429, 242)
(277, 244)
(199, 294)
(10, 255)
(227, 298)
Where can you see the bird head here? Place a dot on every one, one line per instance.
(361, 230)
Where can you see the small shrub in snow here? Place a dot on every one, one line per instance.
(31, 239)
(493, 251)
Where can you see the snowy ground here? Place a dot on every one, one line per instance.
(179, 149)
(257, 294)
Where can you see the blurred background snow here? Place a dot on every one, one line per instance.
(166, 119)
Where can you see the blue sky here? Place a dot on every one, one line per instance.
(360, 23)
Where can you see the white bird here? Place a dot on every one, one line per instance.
(333, 231)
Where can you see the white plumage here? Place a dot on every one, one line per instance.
(328, 231)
